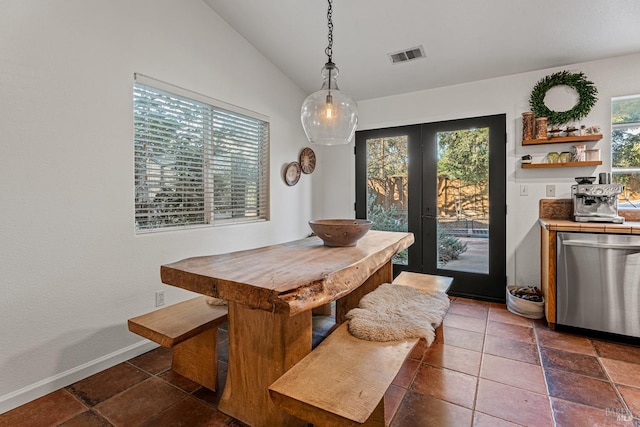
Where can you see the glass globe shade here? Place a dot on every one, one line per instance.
(329, 116)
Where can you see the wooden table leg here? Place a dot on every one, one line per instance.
(383, 275)
(262, 347)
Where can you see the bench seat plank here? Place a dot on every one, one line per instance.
(343, 381)
(176, 323)
(190, 328)
(427, 283)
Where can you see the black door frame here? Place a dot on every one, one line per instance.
(423, 199)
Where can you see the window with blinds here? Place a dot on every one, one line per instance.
(198, 161)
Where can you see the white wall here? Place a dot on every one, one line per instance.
(508, 95)
(72, 271)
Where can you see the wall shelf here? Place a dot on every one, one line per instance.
(561, 165)
(562, 139)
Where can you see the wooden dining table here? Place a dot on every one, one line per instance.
(271, 292)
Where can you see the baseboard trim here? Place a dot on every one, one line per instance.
(34, 391)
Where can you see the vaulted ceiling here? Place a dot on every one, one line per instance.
(464, 40)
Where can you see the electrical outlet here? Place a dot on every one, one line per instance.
(159, 298)
(551, 191)
(524, 190)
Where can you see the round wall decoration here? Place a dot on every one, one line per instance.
(586, 92)
(307, 160)
(292, 173)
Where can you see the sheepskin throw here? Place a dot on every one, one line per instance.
(397, 312)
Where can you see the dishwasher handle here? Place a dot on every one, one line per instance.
(600, 245)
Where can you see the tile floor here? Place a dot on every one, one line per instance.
(491, 369)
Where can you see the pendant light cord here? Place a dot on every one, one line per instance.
(329, 50)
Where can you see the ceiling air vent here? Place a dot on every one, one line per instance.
(407, 55)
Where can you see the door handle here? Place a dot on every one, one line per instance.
(600, 245)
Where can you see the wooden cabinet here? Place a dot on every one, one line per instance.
(548, 274)
(555, 216)
(561, 140)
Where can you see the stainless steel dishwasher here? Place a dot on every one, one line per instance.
(598, 282)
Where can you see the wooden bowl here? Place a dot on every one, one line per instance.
(340, 232)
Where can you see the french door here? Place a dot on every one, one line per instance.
(446, 183)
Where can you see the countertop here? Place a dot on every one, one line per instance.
(555, 215)
(629, 227)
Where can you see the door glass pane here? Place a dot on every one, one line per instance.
(463, 200)
(387, 186)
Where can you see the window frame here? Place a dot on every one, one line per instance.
(228, 138)
(616, 171)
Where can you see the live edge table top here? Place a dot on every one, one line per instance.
(290, 277)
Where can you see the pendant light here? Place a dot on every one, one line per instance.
(329, 116)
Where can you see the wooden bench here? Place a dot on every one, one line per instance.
(343, 381)
(190, 328)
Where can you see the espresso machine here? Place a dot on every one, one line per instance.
(596, 202)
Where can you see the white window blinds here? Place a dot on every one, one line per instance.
(196, 162)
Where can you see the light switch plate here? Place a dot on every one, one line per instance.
(524, 190)
(551, 191)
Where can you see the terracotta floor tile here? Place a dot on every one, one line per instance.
(139, 403)
(569, 414)
(407, 372)
(512, 372)
(392, 400)
(580, 389)
(191, 412)
(471, 310)
(631, 396)
(179, 381)
(445, 384)
(49, 410)
(540, 324)
(563, 341)
(513, 404)
(86, 419)
(484, 420)
(455, 358)
(622, 372)
(103, 385)
(514, 332)
(463, 338)
(505, 316)
(207, 396)
(154, 361)
(511, 349)
(626, 353)
(465, 322)
(417, 410)
(472, 301)
(577, 363)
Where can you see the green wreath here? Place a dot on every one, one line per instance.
(586, 92)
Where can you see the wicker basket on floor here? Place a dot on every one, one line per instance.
(523, 307)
